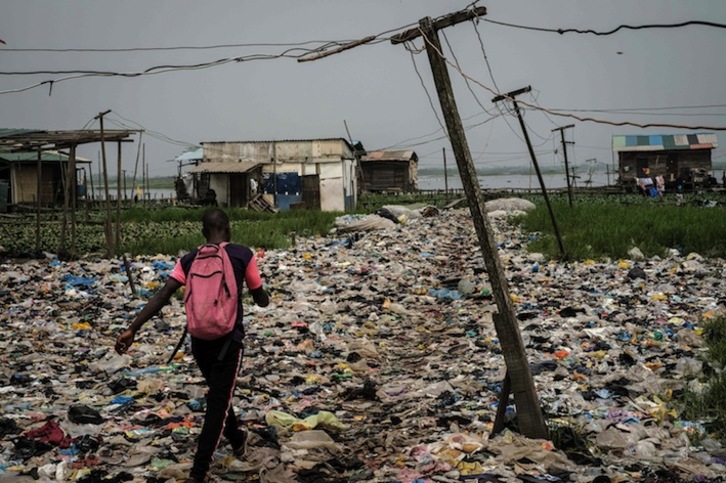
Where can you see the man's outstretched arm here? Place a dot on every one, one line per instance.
(152, 307)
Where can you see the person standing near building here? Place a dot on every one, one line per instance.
(218, 359)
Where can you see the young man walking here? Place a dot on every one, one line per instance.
(218, 359)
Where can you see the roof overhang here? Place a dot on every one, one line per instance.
(221, 167)
(406, 155)
(663, 142)
(45, 157)
(28, 141)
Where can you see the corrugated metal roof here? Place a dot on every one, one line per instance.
(390, 155)
(26, 140)
(8, 132)
(660, 142)
(224, 167)
(191, 155)
(46, 156)
(278, 141)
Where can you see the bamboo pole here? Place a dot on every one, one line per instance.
(117, 240)
(74, 190)
(39, 192)
(108, 229)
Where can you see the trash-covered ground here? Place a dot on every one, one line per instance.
(377, 361)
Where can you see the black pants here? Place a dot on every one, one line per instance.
(221, 376)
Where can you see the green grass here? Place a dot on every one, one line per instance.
(710, 405)
(172, 230)
(714, 332)
(596, 228)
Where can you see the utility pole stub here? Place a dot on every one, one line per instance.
(445, 21)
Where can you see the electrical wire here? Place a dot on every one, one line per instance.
(423, 136)
(466, 81)
(163, 69)
(609, 32)
(411, 49)
(155, 69)
(474, 22)
(158, 133)
(491, 76)
(568, 114)
(660, 108)
(151, 133)
(466, 128)
(172, 48)
(534, 101)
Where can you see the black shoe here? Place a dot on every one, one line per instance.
(241, 449)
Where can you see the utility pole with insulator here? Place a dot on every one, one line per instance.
(519, 377)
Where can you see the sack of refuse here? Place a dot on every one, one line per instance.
(509, 205)
(346, 224)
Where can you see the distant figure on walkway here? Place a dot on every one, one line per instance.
(210, 198)
(679, 191)
(218, 359)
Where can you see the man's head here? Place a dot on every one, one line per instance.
(215, 226)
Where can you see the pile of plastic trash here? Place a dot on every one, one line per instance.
(377, 361)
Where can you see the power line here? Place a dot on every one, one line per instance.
(660, 108)
(170, 68)
(160, 69)
(491, 76)
(609, 32)
(566, 114)
(484, 52)
(155, 69)
(466, 81)
(411, 49)
(150, 132)
(466, 128)
(324, 43)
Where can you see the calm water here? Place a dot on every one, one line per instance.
(437, 183)
(155, 194)
(513, 181)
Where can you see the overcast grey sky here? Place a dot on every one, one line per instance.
(375, 88)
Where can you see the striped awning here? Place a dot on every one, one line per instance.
(663, 142)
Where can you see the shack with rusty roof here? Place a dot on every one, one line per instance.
(390, 171)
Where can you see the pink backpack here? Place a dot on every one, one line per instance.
(211, 299)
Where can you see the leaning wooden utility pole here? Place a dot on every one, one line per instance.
(511, 96)
(529, 413)
(564, 151)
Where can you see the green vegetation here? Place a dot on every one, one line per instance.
(167, 230)
(709, 405)
(596, 227)
(172, 230)
(608, 227)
